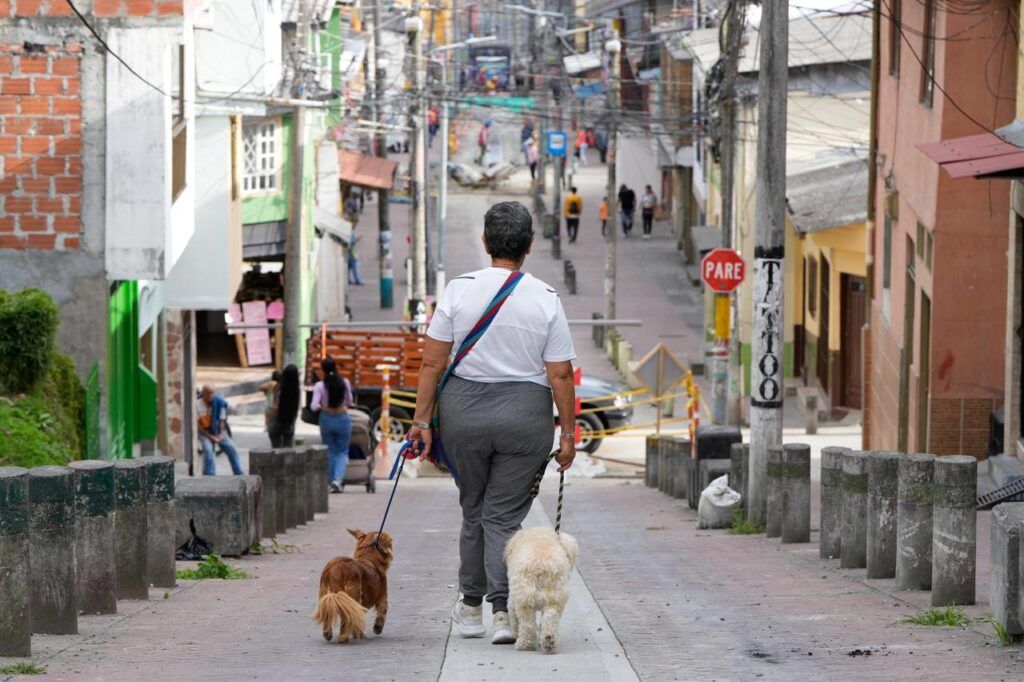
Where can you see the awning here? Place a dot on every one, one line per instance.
(335, 226)
(263, 240)
(988, 155)
(371, 172)
(579, 63)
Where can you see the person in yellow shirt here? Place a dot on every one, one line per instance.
(573, 210)
(604, 215)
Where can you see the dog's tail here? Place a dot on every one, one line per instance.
(340, 606)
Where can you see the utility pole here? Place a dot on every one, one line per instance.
(613, 46)
(723, 302)
(442, 208)
(766, 390)
(418, 274)
(294, 236)
(540, 66)
(387, 270)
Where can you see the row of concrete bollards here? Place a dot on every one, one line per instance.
(294, 486)
(76, 539)
(908, 517)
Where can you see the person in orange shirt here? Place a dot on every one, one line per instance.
(604, 215)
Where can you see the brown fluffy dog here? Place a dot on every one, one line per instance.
(349, 587)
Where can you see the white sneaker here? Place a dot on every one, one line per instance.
(502, 629)
(469, 619)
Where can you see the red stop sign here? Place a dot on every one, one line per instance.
(722, 270)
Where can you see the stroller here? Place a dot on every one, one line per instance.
(361, 459)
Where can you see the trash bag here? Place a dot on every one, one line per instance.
(716, 504)
(195, 548)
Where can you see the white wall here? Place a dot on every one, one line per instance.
(238, 47)
(202, 279)
(143, 239)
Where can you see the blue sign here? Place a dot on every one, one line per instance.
(556, 143)
(590, 90)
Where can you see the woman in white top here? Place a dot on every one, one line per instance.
(647, 203)
(495, 410)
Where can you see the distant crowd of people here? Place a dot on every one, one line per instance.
(572, 211)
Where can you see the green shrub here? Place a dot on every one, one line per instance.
(28, 329)
(951, 616)
(212, 567)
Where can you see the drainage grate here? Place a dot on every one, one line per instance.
(1008, 492)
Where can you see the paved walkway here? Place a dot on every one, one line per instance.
(654, 599)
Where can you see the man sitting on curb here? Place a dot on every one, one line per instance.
(212, 417)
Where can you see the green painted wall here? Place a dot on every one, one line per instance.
(122, 366)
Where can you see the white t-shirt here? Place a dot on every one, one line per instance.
(529, 330)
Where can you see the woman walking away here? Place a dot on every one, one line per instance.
(269, 391)
(281, 427)
(647, 203)
(495, 404)
(332, 397)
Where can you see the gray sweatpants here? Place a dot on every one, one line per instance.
(497, 436)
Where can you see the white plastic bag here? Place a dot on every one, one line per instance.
(716, 504)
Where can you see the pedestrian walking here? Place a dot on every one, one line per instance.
(433, 124)
(353, 262)
(483, 140)
(647, 203)
(352, 208)
(603, 212)
(573, 209)
(212, 422)
(267, 388)
(495, 407)
(627, 206)
(332, 396)
(285, 408)
(526, 139)
(532, 156)
(601, 141)
(582, 143)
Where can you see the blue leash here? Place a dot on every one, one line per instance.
(396, 475)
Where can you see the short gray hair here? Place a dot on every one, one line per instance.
(508, 230)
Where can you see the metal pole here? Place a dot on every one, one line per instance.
(611, 233)
(418, 278)
(443, 199)
(387, 272)
(722, 302)
(766, 390)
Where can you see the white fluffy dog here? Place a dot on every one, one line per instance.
(539, 561)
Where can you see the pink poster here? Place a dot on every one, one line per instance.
(234, 316)
(257, 341)
(275, 310)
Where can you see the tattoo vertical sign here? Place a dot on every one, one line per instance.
(766, 368)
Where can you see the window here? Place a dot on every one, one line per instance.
(179, 126)
(887, 266)
(920, 239)
(812, 285)
(895, 29)
(262, 156)
(929, 245)
(911, 263)
(928, 67)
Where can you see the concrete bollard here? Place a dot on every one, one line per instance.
(739, 455)
(320, 484)
(160, 521)
(52, 594)
(292, 467)
(311, 481)
(1004, 576)
(301, 487)
(853, 540)
(680, 481)
(15, 618)
(914, 522)
(651, 444)
(130, 529)
(773, 493)
(96, 579)
(666, 460)
(831, 502)
(280, 471)
(954, 530)
(883, 480)
(796, 492)
(263, 463)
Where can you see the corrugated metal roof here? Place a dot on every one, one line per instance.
(812, 40)
(978, 156)
(829, 197)
(366, 171)
(290, 10)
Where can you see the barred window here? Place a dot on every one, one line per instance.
(262, 150)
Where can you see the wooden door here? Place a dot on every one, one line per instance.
(823, 327)
(851, 352)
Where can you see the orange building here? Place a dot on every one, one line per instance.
(934, 370)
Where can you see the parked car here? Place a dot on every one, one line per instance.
(611, 412)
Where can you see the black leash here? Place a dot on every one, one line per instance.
(396, 475)
(561, 488)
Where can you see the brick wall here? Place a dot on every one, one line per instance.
(175, 383)
(100, 8)
(960, 426)
(40, 147)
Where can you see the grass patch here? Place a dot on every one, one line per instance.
(22, 669)
(46, 425)
(1005, 638)
(275, 547)
(212, 567)
(951, 616)
(742, 526)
